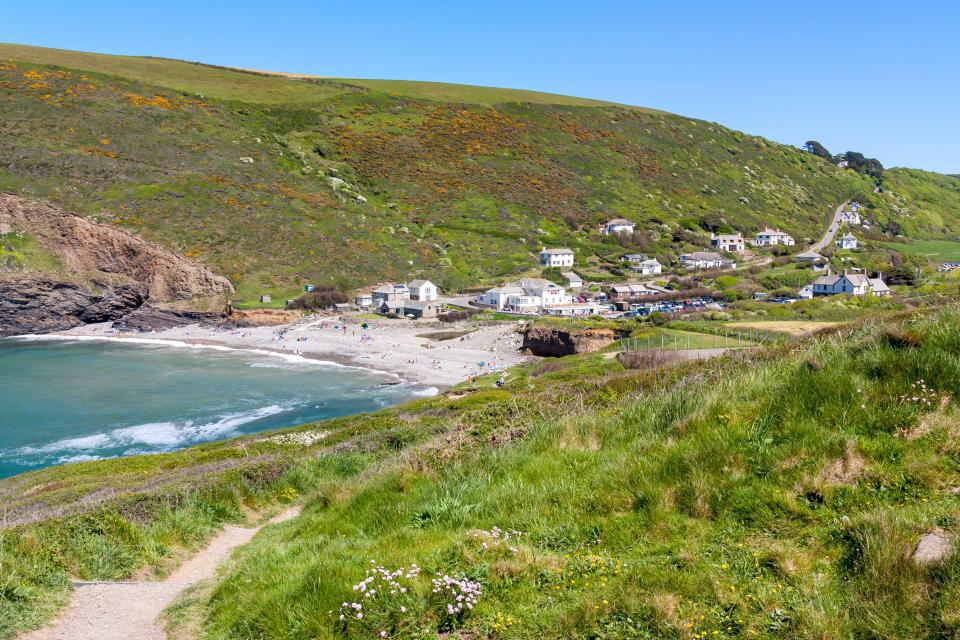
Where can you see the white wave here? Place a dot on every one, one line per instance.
(425, 392)
(78, 458)
(158, 435)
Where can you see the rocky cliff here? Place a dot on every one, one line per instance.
(553, 341)
(103, 273)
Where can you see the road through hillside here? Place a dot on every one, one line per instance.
(831, 232)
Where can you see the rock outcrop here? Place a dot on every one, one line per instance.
(551, 341)
(90, 250)
(41, 304)
(104, 273)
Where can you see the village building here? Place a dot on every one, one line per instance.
(265, 299)
(848, 241)
(620, 292)
(806, 293)
(648, 267)
(524, 296)
(423, 290)
(732, 242)
(771, 237)
(573, 280)
(363, 300)
(390, 293)
(421, 309)
(575, 310)
(706, 260)
(556, 257)
(850, 215)
(854, 284)
(633, 258)
(617, 226)
(388, 307)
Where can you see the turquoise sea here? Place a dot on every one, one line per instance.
(72, 400)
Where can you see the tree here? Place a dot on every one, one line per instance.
(322, 297)
(817, 149)
(901, 275)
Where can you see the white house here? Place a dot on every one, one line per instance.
(805, 293)
(573, 280)
(854, 284)
(526, 295)
(705, 260)
(770, 237)
(648, 267)
(617, 225)
(732, 242)
(556, 257)
(848, 241)
(423, 290)
(390, 293)
(633, 258)
(363, 300)
(851, 215)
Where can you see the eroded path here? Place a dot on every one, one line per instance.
(129, 610)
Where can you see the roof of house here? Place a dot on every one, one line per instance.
(728, 236)
(848, 236)
(557, 252)
(630, 288)
(392, 304)
(651, 261)
(416, 284)
(633, 256)
(620, 221)
(570, 275)
(877, 284)
(384, 289)
(828, 280)
(541, 283)
(809, 255)
(767, 231)
(702, 255)
(506, 289)
(418, 304)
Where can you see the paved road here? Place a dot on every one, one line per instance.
(831, 233)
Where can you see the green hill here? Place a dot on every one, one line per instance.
(274, 181)
(777, 494)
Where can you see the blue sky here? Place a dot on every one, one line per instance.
(878, 77)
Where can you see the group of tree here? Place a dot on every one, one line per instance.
(854, 159)
(322, 297)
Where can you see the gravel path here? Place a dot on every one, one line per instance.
(129, 610)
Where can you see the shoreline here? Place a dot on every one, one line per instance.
(400, 350)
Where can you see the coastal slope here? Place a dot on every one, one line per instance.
(275, 182)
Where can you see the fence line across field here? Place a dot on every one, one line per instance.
(675, 342)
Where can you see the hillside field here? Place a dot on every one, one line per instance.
(275, 182)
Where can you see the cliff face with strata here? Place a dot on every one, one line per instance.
(552, 341)
(103, 273)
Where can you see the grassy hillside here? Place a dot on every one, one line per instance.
(774, 495)
(274, 181)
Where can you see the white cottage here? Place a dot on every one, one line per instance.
(617, 226)
(770, 237)
(423, 290)
(556, 257)
(848, 241)
(732, 242)
(854, 284)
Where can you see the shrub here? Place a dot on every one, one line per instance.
(644, 360)
(322, 297)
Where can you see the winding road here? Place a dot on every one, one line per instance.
(832, 230)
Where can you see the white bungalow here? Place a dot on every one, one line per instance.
(770, 237)
(556, 257)
(848, 241)
(423, 290)
(648, 267)
(854, 284)
(363, 300)
(705, 260)
(616, 226)
(805, 293)
(573, 280)
(732, 242)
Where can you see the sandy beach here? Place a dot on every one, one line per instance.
(399, 347)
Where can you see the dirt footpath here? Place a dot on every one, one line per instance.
(129, 610)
